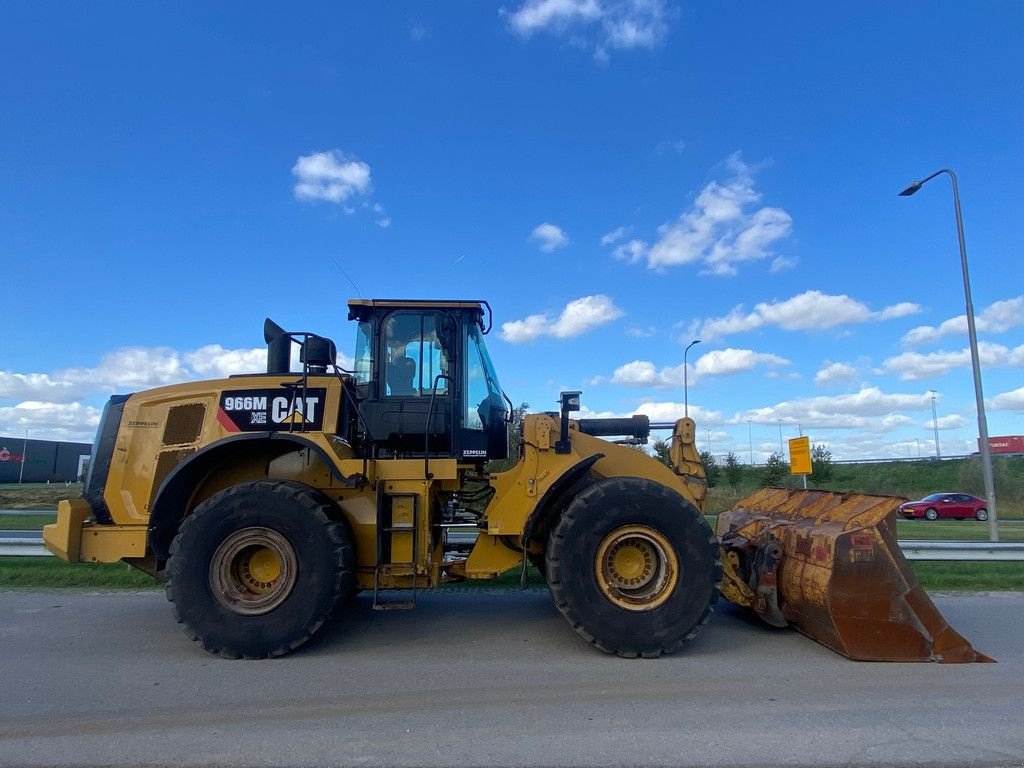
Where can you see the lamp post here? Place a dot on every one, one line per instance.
(750, 440)
(935, 426)
(986, 457)
(686, 380)
(782, 451)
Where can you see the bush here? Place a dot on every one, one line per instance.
(661, 452)
(821, 465)
(733, 470)
(710, 468)
(775, 470)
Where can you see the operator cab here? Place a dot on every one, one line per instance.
(424, 381)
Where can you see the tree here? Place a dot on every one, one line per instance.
(775, 470)
(710, 468)
(821, 465)
(661, 452)
(733, 471)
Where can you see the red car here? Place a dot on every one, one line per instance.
(958, 505)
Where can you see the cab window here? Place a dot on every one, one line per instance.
(482, 388)
(414, 354)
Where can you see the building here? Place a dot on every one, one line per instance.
(42, 461)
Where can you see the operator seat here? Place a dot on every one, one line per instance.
(401, 373)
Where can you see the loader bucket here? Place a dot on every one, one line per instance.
(829, 564)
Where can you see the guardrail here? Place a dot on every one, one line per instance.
(30, 544)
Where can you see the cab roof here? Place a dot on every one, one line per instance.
(353, 304)
(359, 309)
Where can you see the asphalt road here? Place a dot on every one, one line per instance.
(490, 678)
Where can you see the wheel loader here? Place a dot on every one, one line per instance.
(265, 501)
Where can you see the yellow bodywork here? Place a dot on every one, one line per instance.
(74, 540)
(162, 428)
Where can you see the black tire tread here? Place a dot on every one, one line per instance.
(591, 496)
(343, 579)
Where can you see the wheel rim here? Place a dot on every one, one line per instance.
(982, 515)
(253, 571)
(637, 568)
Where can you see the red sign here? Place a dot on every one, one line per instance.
(6, 455)
(1006, 444)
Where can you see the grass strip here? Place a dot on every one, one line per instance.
(43, 573)
(51, 573)
(25, 522)
(938, 576)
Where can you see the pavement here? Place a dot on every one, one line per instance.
(489, 677)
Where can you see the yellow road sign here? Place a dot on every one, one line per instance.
(800, 456)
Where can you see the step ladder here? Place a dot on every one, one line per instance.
(397, 526)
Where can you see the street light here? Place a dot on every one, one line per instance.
(986, 457)
(935, 426)
(686, 382)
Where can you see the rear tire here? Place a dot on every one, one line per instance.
(633, 567)
(931, 514)
(981, 515)
(257, 568)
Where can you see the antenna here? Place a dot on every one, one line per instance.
(358, 292)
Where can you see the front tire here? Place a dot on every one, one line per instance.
(633, 567)
(931, 514)
(981, 515)
(257, 569)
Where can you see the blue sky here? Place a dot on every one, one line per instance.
(617, 178)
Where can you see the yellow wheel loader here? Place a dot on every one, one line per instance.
(267, 500)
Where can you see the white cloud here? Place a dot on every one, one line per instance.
(719, 362)
(631, 252)
(383, 220)
(663, 412)
(1009, 401)
(671, 147)
(723, 362)
(914, 366)
(643, 373)
(51, 404)
(722, 228)
(953, 421)
(21, 386)
(614, 236)
(835, 372)
(642, 333)
(214, 361)
(578, 317)
(595, 25)
(549, 237)
(670, 411)
(50, 421)
(903, 309)
(132, 369)
(782, 263)
(332, 176)
(998, 317)
(810, 310)
(869, 409)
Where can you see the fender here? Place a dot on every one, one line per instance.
(170, 499)
(541, 515)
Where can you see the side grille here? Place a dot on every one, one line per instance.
(166, 462)
(184, 423)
